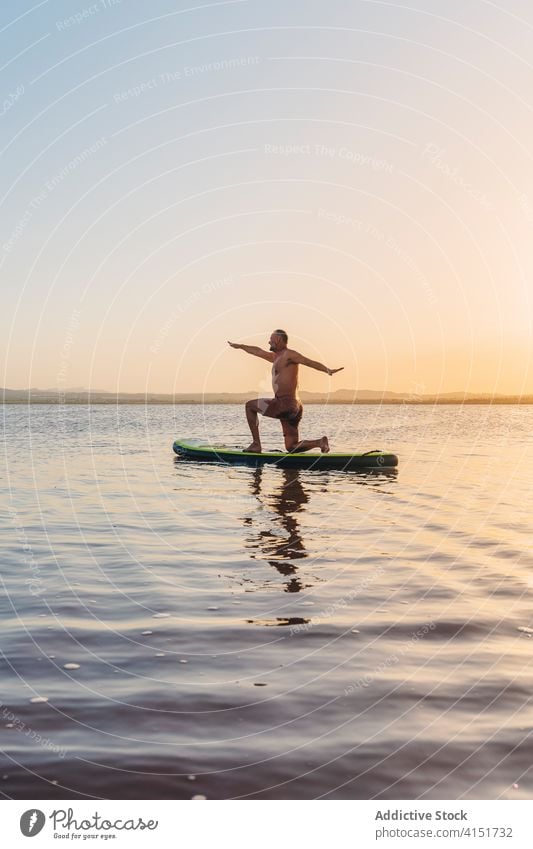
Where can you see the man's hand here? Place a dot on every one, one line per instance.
(234, 344)
(331, 371)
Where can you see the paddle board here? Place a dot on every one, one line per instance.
(190, 450)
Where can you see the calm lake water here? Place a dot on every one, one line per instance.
(194, 629)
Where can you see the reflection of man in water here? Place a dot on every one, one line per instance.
(279, 551)
(285, 406)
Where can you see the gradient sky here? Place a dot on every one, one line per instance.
(176, 174)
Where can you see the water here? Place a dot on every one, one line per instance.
(265, 633)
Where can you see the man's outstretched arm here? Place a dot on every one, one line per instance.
(305, 361)
(253, 349)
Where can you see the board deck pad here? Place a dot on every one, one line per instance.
(192, 450)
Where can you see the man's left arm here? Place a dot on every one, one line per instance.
(296, 357)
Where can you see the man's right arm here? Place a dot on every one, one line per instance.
(254, 350)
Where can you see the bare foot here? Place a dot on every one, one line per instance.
(324, 445)
(254, 448)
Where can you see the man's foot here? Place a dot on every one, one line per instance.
(324, 445)
(254, 448)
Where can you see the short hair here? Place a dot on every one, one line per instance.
(282, 334)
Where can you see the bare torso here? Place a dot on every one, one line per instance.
(286, 406)
(285, 375)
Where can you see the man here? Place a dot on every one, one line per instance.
(286, 405)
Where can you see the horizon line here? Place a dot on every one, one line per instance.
(404, 396)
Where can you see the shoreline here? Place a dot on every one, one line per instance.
(148, 401)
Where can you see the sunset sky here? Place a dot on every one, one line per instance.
(176, 174)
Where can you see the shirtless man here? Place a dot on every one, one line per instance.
(285, 406)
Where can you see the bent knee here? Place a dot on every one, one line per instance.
(258, 405)
(291, 444)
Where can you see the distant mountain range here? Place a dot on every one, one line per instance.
(340, 396)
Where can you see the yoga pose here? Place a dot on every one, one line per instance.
(285, 406)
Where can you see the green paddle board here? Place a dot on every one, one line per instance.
(191, 450)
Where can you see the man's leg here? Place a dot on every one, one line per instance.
(292, 440)
(307, 444)
(259, 405)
